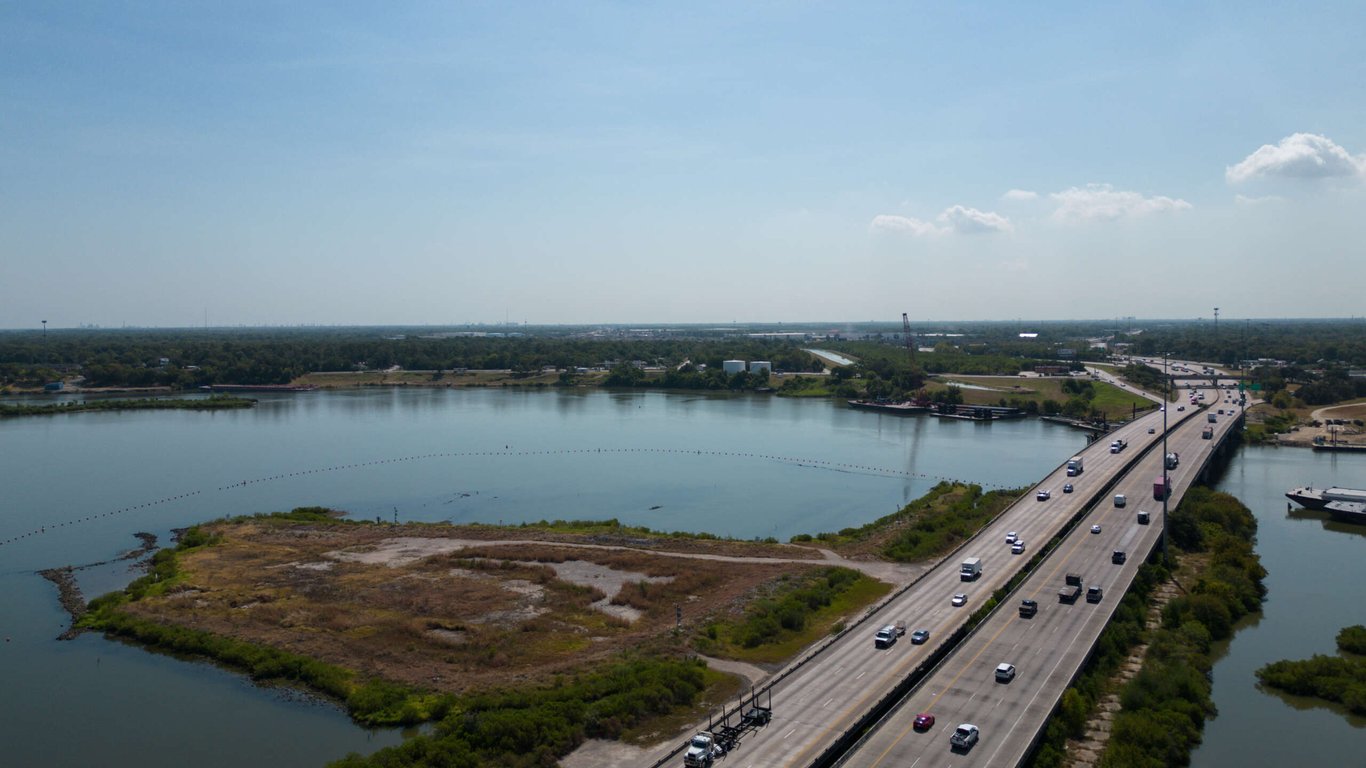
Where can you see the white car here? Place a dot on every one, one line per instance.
(1044, 495)
(1011, 537)
(1017, 548)
(959, 599)
(1095, 528)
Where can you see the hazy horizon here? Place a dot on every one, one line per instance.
(1136, 323)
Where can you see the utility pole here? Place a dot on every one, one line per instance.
(1166, 481)
(1216, 321)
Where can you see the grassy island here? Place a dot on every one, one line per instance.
(211, 403)
(518, 642)
(1340, 679)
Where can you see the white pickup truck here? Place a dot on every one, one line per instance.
(964, 737)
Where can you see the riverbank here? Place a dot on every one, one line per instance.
(211, 403)
(69, 589)
(1154, 713)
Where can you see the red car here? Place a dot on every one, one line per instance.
(924, 721)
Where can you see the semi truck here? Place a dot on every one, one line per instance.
(1161, 487)
(702, 751)
(971, 569)
(1074, 466)
(720, 738)
(1118, 445)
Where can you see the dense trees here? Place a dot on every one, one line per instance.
(1319, 354)
(189, 358)
(1164, 707)
(1335, 678)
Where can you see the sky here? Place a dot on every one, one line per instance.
(397, 163)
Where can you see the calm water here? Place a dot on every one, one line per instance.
(1317, 585)
(738, 466)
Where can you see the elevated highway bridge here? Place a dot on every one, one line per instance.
(823, 702)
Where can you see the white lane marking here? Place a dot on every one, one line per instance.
(827, 703)
(860, 675)
(789, 733)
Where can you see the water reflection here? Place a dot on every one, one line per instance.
(668, 461)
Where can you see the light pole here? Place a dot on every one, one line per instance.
(1166, 483)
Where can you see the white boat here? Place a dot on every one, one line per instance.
(1310, 497)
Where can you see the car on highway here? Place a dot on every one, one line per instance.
(959, 599)
(1121, 499)
(1005, 672)
(1044, 495)
(1095, 528)
(1182, 407)
(924, 721)
(1017, 548)
(920, 636)
(1067, 488)
(1094, 594)
(885, 637)
(964, 737)
(1118, 557)
(1152, 430)
(1011, 537)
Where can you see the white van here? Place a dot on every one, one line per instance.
(1005, 672)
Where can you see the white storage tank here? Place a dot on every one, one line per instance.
(760, 365)
(733, 366)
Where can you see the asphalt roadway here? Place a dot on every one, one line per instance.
(1048, 649)
(818, 701)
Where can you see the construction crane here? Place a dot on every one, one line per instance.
(906, 332)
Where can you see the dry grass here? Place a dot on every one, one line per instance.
(484, 616)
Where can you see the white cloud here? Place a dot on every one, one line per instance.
(1246, 200)
(1298, 156)
(1104, 203)
(886, 223)
(1020, 194)
(972, 221)
(957, 219)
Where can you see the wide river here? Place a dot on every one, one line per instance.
(78, 486)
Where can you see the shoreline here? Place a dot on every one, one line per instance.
(69, 590)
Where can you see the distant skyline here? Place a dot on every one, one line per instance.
(269, 164)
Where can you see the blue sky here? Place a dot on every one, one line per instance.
(586, 162)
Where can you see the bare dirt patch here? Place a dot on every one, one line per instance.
(438, 607)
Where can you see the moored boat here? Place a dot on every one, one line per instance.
(1347, 511)
(1310, 497)
(904, 408)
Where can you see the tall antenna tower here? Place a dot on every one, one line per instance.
(906, 333)
(1216, 321)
